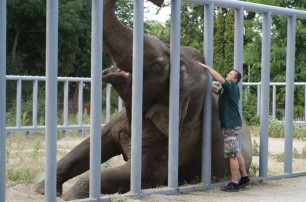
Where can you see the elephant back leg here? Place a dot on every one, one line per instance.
(113, 180)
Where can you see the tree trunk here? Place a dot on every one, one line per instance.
(15, 43)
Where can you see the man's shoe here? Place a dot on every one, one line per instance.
(244, 181)
(230, 187)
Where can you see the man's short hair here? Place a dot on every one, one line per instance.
(238, 75)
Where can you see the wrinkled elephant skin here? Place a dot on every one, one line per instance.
(116, 135)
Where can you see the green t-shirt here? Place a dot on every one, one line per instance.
(228, 103)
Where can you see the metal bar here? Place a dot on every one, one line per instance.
(80, 106)
(238, 48)
(18, 103)
(238, 55)
(258, 98)
(305, 103)
(174, 94)
(2, 99)
(254, 7)
(35, 102)
(274, 101)
(207, 110)
(66, 104)
(51, 99)
(96, 99)
(290, 66)
(119, 104)
(136, 125)
(108, 96)
(265, 80)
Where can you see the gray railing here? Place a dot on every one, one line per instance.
(38, 81)
(274, 108)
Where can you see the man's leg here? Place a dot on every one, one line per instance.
(245, 180)
(234, 166)
(241, 165)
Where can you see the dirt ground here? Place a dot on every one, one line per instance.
(289, 189)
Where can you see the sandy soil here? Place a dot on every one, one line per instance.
(290, 189)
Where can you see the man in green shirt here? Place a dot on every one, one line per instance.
(231, 125)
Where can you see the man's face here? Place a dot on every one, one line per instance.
(232, 76)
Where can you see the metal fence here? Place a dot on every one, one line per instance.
(96, 66)
(69, 85)
(67, 108)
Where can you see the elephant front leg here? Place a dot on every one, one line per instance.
(71, 165)
(113, 180)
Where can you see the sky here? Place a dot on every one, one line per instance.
(162, 16)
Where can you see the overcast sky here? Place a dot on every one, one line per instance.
(162, 16)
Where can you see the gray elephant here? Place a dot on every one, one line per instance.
(116, 135)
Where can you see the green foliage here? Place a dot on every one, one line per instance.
(297, 155)
(277, 129)
(249, 111)
(219, 40)
(280, 157)
(229, 42)
(254, 168)
(255, 148)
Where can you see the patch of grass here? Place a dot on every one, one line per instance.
(255, 148)
(277, 129)
(254, 169)
(119, 198)
(298, 155)
(280, 157)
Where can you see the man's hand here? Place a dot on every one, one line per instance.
(203, 65)
(213, 72)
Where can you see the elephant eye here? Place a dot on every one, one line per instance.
(155, 68)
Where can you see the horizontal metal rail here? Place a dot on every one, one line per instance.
(253, 7)
(81, 81)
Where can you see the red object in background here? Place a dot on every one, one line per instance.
(86, 106)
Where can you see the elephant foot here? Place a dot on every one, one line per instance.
(79, 190)
(41, 189)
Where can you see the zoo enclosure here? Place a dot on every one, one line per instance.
(81, 83)
(51, 83)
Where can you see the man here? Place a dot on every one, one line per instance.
(231, 124)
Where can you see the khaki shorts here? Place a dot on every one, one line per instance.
(231, 141)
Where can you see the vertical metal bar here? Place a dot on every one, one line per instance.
(2, 99)
(66, 104)
(265, 87)
(174, 95)
(108, 98)
(207, 111)
(96, 99)
(119, 104)
(18, 103)
(290, 66)
(136, 125)
(238, 54)
(35, 102)
(238, 48)
(305, 103)
(51, 99)
(274, 101)
(80, 106)
(258, 99)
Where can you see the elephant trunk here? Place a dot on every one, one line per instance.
(118, 38)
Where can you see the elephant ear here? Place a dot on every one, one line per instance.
(159, 115)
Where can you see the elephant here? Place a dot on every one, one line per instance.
(116, 134)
